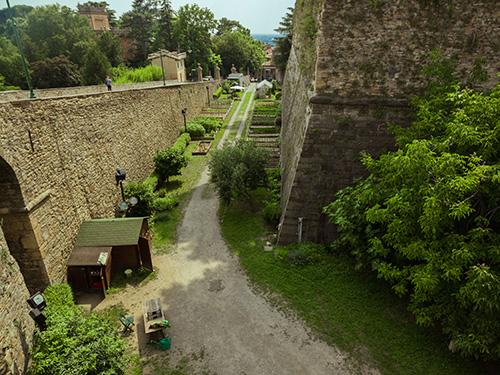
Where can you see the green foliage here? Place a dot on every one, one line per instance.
(272, 209)
(235, 169)
(165, 203)
(210, 124)
(54, 30)
(192, 31)
(6, 88)
(96, 67)
(426, 218)
(301, 254)
(195, 130)
(109, 45)
(144, 192)
(240, 49)
(11, 66)
(129, 75)
(182, 142)
(75, 342)
(169, 163)
(55, 72)
(284, 43)
(217, 93)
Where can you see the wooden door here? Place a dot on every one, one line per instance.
(145, 253)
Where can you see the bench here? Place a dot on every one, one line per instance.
(154, 318)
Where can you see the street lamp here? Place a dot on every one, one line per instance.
(32, 94)
(208, 95)
(120, 176)
(184, 114)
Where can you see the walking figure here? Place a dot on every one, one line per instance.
(107, 81)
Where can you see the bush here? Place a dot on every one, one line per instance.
(195, 130)
(272, 213)
(210, 124)
(169, 163)
(182, 142)
(301, 254)
(165, 204)
(144, 192)
(237, 169)
(75, 342)
(218, 93)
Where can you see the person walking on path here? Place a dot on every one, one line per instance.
(107, 81)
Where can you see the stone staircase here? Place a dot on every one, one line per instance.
(265, 137)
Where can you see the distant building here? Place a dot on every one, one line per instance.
(173, 64)
(269, 70)
(98, 17)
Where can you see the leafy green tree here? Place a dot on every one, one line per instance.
(192, 32)
(52, 30)
(109, 45)
(75, 342)
(227, 26)
(427, 217)
(19, 12)
(3, 87)
(58, 71)
(11, 65)
(240, 49)
(140, 21)
(237, 169)
(284, 42)
(96, 67)
(166, 16)
(169, 163)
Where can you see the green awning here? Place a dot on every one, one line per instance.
(110, 232)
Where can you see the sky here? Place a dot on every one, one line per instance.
(260, 16)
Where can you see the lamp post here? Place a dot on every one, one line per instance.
(208, 96)
(32, 94)
(184, 114)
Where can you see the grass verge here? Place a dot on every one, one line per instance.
(350, 309)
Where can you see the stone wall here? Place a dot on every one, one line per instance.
(354, 66)
(16, 327)
(58, 159)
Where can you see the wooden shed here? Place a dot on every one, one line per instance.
(107, 247)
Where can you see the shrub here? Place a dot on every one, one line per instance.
(169, 163)
(165, 204)
(272, 213)
(237, 169)
(301, 254)
(210, 124)
(182, 142)
(75, 342)
(144, 192)
(195, 130)
(218, 93)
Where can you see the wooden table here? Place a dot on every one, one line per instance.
(153, 312)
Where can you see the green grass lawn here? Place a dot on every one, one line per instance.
(350, 309)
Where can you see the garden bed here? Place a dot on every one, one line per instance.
(202, 148)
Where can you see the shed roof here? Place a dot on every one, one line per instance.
(264, 83)
(87, 256)
(109, 232)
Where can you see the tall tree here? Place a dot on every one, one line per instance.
(192, 32)
(284, 42)
(11, 66)
(165, 20)
(19, 12)
(96, 68)
(140, 22)
(109, 45)
(240, 49)
(227, 26)
(58, 71)
(52, 30)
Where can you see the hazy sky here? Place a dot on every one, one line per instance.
(260, 16)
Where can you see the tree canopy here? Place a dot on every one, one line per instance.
(426, 220)
(192, 32)
(284, 42)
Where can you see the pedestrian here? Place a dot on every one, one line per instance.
(107, 81)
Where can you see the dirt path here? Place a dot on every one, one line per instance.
(219, 325)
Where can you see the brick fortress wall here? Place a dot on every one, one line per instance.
(58, 159)
(354, 66)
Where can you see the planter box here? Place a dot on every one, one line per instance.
(202, 148)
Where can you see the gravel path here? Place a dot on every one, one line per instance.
(219, 324)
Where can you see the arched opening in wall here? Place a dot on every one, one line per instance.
(18, 230)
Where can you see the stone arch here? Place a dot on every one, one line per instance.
(18, 230)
